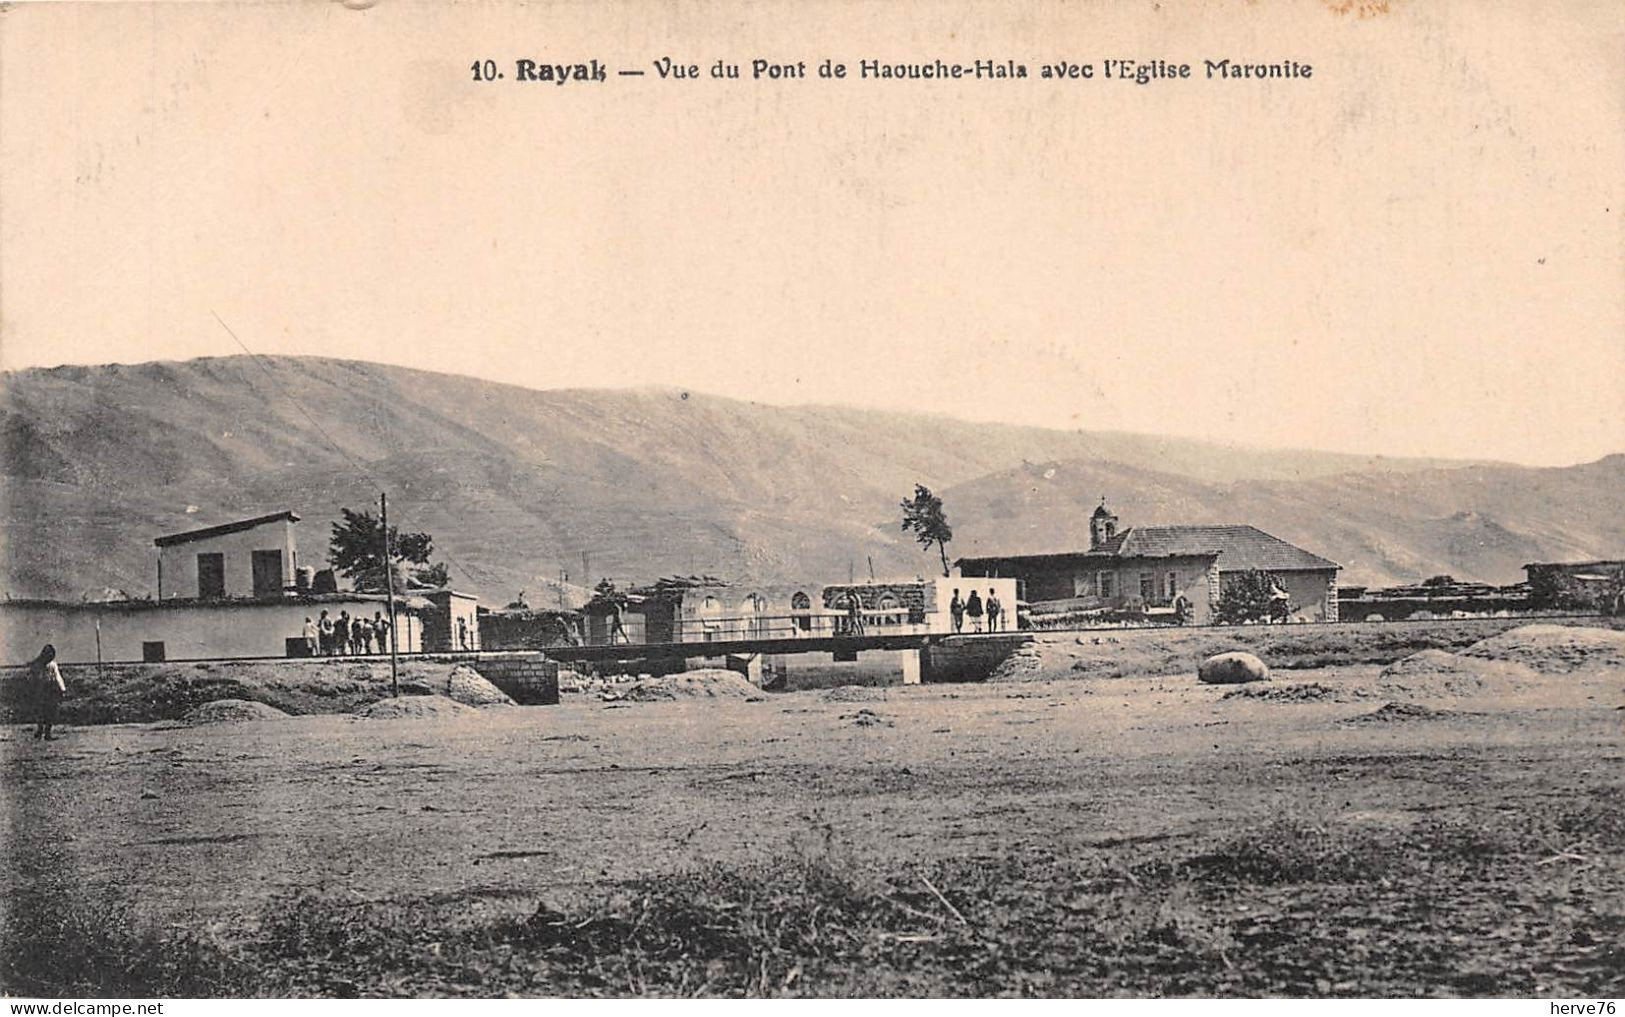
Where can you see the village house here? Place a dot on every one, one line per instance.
(228, 591)
(1154, 571)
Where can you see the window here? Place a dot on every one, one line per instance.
(1148, 587)
(1106, 586)
(754, 606)
(152, 653)
(267, 573)
(801, 607)
(211, 576)
(1173, 585)
(710, 611)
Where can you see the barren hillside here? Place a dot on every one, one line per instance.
(516, 484)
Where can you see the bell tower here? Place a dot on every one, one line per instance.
(1102, 526)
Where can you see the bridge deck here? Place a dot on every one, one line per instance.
(776, 646)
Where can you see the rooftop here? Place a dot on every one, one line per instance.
(224, 528)
(402, 602)
(1236, 547)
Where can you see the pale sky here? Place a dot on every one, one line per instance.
(1418, 251)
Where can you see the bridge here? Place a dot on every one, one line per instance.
(921, 647)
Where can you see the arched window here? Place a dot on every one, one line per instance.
(893, 608)
(801, 608)
(710, 617)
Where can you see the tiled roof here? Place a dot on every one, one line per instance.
(1238, 547)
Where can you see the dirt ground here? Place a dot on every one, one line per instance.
(1130, 835)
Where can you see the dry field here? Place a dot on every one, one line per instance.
(1453, 827)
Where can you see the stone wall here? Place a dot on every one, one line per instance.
(530, 679)
(967, 660)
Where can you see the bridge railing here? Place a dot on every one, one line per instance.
(812, 624)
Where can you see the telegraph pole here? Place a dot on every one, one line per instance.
(389, 590)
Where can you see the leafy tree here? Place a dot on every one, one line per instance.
(1612, 601)
(1555, 589)
(1253, 596)
(356, 551)
(923, 514)
(436, 575)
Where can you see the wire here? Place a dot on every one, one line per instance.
(377, 484)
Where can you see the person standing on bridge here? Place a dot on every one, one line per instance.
(854, 614)
(973, 608)
(995, 611)
(956, 610)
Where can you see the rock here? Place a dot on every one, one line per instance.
(1232, 669)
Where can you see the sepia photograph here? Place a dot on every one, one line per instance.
(847, 499)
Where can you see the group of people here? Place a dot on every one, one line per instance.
(345, 636)
(975, 608)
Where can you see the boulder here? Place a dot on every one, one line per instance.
(1232, 669)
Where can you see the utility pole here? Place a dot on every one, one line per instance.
(389, 590)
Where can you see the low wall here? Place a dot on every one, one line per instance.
(528, 678)
(967, 660)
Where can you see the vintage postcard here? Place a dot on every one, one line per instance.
(675, 498)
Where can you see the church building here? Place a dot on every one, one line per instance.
(1160, 572)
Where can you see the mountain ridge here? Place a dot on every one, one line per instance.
(517, 484)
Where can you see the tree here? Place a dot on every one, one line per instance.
(1553, 588)
(1253, 596)
(923, 514)
(356, 551)
(1612, 601)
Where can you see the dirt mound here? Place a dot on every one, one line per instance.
(1439, 674)
(1555, 649)
(461, 684)
(1286, 692)
(867, 718)
(1391, 713)
(708, 683)
(854, 694)
(413, 706)
(1027, 662)
(232, 711)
